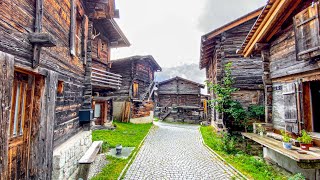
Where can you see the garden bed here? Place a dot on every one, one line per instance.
(253, 167)
(127, 134)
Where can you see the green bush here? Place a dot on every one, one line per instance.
(256, 112)
(228, 143)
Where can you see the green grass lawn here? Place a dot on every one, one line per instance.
(246, 164)
(129, 135)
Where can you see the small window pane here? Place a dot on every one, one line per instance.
(97, 110)
(23, 110)
(16, 111)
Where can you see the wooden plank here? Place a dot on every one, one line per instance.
(85, 33)
(91, 153)
(114, 74)
(38, 28)
(43, 149)
(42, 39)
(73, 22)
(6, 83)
(312, 156)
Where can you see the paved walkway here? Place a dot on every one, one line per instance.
(176, 152)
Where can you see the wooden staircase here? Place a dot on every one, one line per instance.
(165, 115)
(149, 91)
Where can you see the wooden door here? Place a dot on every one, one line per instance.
(100, 112)
(135, 89)
(20, 125)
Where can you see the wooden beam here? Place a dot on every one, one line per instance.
(6, 83)
(261, 46)
(73, 11)
(37, 29)
(42, 39)
(265, 25)
(85, 33)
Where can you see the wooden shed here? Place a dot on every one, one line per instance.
(134, 100)
(218, 48)
(286, 34)
(46, 52)
(179, 100)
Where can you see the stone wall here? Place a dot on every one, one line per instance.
(143, 120)
(118, 108)
(67, 155)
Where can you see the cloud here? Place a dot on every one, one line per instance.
(216, 13)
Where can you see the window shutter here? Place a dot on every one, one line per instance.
(85, 27)
(290, 107)
(307, 32)
(73, 27)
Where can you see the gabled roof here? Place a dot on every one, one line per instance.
(273, 15)
(148, 58)
(180, 78)
(207, 43)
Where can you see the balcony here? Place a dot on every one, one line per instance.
(104, 80)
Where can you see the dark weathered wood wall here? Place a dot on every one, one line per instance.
(132, 70)
(179, 92)
(246, 71)
(17, 20)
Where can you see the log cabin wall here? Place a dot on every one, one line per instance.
(287, 69)
(137, 75)
(134, 69)
(246, 71)
(55, 64)
(125, 69)
(180, 92)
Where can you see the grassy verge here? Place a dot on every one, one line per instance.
(129, 135)
(250, 166)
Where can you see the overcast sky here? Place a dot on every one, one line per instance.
(170, 30)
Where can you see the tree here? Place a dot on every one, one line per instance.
(223, 102)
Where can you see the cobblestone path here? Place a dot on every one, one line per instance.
(176, 152)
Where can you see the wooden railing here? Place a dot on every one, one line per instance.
(105, 79)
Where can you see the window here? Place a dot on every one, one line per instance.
(290, 107)
(307, 32)
(78, 36)
(97, 110)
(18, 106)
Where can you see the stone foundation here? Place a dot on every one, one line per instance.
(288, 163)
(67, 155)
(143, 120)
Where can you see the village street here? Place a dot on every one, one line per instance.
(175, 151)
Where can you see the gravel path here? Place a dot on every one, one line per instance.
(176, 152)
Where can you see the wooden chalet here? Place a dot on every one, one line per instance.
(53, 57)
(134, 100)
(179, 100)
(218, 48)
(286, 34)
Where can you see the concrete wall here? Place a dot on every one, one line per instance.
(288, 163)
(67, 155)
(143, 120)
(118, 108)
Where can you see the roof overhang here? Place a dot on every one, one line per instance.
(273, 15)
(183, 79)
(111, 30)
(208, 40)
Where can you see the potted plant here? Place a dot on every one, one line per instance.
(305, 140)
(286, 140)
(260, 129)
